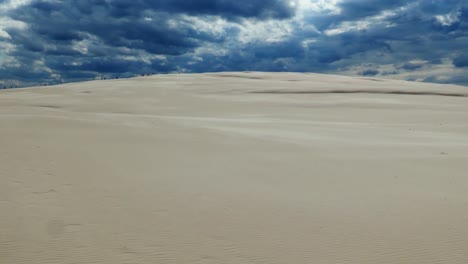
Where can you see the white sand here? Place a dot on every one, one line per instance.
(234, 168)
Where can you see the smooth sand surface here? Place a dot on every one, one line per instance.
(234, 168)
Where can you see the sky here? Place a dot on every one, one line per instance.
(55, 41)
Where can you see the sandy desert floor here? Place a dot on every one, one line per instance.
(234, 168)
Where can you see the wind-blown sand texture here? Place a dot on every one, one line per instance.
(234, 168)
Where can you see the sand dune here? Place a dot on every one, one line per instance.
(234, 168)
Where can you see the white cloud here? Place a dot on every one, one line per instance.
(265, 31)
(329, 6)
(12, 4)
(4, 34)
(211, 25)
(448, 19)
(363, 24)
(6, 22)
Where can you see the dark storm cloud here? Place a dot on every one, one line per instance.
(112, 30)
(408, 36)
(72, 40)
(227, 8)
(408, 31)
(370, 72)
(134, 8)
(71, 25)
(461, 61)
